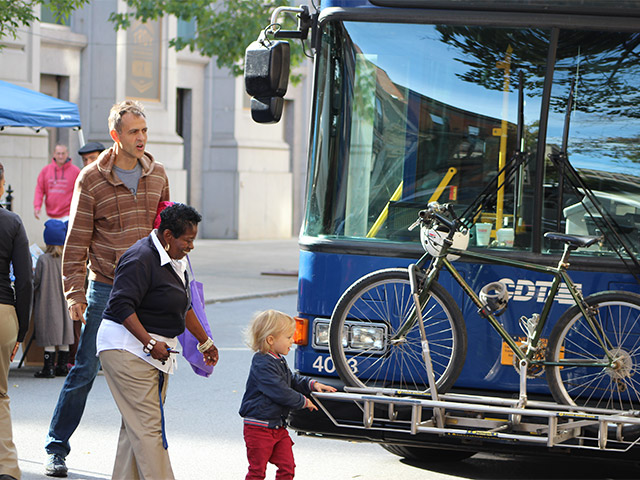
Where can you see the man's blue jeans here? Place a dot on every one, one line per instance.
(76, 388)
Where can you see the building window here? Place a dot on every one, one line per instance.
(47, 15)
(187, 29)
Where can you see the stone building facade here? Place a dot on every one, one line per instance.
(246, 179)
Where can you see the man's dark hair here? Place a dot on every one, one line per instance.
(177, 218)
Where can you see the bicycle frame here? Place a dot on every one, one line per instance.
(559, 275)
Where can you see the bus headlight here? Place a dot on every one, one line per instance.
(367, 338)
(321, 334)
(355, 336)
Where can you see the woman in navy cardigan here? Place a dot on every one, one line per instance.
(15, 308)
(149, 306)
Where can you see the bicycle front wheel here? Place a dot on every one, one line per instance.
(617, 320)
(374, 342)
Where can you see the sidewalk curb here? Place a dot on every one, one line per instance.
(250, 296)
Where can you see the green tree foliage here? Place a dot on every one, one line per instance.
(17, 13)
(13, 14)
(224, 29)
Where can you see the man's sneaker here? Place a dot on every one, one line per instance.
(55, 466)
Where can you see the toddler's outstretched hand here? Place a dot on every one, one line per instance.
(321, 387)
(309, 404)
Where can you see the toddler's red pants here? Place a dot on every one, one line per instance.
(269, 445)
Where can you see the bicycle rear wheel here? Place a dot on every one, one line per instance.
(617, 318)
(369, 349)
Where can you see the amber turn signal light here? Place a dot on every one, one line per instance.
(301, 335)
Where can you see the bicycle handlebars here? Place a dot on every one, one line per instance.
(435, 211)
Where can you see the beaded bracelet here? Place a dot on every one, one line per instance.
(206, 345)
(149, 346)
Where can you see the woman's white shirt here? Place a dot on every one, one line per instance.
(115, 336)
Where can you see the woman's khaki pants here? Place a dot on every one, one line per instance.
(8, 336)
(134, 385)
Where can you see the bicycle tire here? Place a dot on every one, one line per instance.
(383, 298)
(618, 316)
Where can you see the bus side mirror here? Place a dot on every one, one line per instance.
(266, 77)
(267, 109)
(266, 69)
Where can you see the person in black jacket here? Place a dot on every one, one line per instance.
(271, 392)
(15, 308)
(149, 306)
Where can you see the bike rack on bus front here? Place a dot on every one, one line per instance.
(489, 418)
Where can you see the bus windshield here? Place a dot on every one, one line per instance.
(406, 114)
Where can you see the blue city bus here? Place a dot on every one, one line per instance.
(423, 100)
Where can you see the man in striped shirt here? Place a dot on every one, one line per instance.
(114, 205)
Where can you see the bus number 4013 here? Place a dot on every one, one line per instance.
(325, 364)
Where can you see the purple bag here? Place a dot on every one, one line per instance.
(187, 340)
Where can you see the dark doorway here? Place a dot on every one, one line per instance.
(183, 128)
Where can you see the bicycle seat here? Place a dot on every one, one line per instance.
(572, 240)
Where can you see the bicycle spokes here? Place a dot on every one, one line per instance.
(593, 375)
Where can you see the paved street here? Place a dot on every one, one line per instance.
(230, 270)
(203, 427)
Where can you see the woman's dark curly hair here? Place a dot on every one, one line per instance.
(177, 218)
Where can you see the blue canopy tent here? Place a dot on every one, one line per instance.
(21, 107)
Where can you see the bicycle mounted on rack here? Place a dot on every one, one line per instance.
(417, 345)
